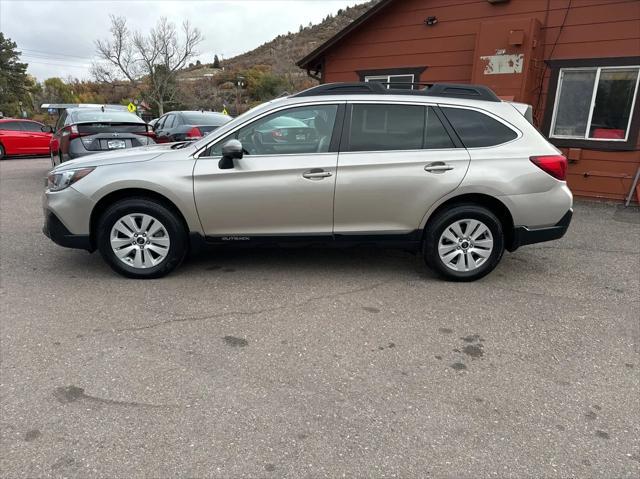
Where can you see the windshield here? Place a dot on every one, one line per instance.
(105, 116)
(205, 118)
(284, 122)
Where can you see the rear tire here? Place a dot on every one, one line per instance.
(142, 239)
(464, 242)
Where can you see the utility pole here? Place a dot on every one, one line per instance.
(239, 85)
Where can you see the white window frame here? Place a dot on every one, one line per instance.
(388, 78)
(598, 70)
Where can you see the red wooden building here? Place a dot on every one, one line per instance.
(576, 61)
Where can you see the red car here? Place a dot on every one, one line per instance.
(23, 138)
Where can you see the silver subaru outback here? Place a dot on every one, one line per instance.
(450, 171)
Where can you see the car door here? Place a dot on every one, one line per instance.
(284, 184)
(164, 131)
(38, 140)
(396, 161)
(56, 139)
(13, 137)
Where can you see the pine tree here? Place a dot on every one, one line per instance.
(14, 82)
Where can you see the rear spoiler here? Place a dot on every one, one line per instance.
(524, 109)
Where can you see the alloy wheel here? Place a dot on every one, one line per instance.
(140, 240)
(465, 245)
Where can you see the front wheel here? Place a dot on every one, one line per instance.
(1, 152)
(464, 242)
(141, 239)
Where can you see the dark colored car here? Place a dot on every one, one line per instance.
(284, 134)
(188, 125)
(23, 138)
(86, 130)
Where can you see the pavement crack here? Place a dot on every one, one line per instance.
(250, 313)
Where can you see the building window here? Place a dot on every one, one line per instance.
(595, 103)
(398, 82)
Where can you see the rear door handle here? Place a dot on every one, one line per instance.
(438, 167)
(316, 174)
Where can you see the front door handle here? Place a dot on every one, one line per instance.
(316, 174)
(438, 167)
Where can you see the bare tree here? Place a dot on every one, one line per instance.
(152, 60)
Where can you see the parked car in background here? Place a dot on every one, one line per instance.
(152, 123)
(82, 131)
(452, 172)
(23, 138)
(188, 125)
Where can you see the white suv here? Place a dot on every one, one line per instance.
(450, 171)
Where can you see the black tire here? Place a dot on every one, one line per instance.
(1, 152)
(178, 238)
(448, 217)
(53, 161)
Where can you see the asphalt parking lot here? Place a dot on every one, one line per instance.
(321, 363)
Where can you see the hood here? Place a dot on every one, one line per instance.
(129, 155)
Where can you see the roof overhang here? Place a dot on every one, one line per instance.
(314, 60)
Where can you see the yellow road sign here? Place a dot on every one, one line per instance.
(131, 107)
(224, 111)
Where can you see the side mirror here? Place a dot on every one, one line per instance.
(231, 150)
(46, 129)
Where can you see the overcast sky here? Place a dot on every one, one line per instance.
(56, 37)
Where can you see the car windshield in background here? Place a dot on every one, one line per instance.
(105, 116)
(205, 118)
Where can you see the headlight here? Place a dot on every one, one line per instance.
(63, 179)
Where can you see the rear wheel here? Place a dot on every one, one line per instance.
(142, 239)
(464, 242)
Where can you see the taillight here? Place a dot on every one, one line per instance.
(193, 134)
(555, 165)
(72, 132)
(149, 132)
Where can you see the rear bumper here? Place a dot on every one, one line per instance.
(523, 236)
(59, 234)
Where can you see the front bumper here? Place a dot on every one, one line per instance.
(523, 236)
(59, 234)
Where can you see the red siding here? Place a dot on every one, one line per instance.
(396, 38)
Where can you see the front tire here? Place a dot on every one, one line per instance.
(464, 242)
(2, 152)
(142, 239)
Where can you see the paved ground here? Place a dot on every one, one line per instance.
(297, 363)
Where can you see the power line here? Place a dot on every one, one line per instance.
(57, 54)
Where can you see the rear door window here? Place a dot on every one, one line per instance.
(383, 127)
(478, 130)
(436, 136)
(11, 126)
(32, 126)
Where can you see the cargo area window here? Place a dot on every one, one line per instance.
(477, 130)
(595, 104)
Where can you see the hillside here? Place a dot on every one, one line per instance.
(282, 52)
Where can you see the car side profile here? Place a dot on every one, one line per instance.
(451, 172)
(187, 125)
(23, 138)
(87, 130)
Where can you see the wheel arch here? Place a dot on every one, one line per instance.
(129, 193)
(492, 203)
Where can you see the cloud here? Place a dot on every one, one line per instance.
(56, 37)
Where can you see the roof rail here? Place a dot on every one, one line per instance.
(451, 90)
